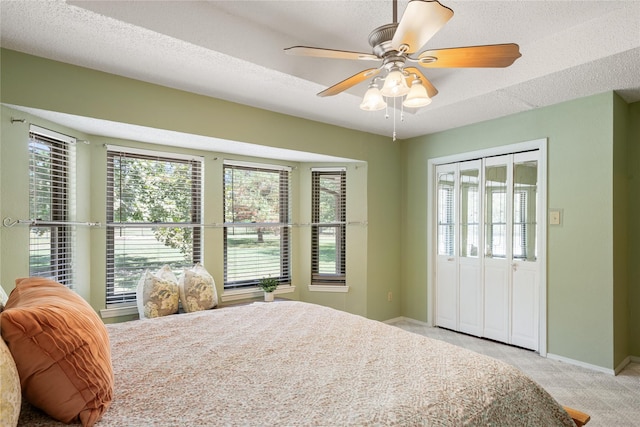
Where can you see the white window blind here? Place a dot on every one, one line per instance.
(496, 210)
(328, 230)
(153, 216)
(446, 213)
(519, 224)
(51, 178)
(525, 177)
(469, 212)
(256, 229)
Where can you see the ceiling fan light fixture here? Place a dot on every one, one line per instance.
(401, 43)
(373, 100)
(417, 96)
(394, 84)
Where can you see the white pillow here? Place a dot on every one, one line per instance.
(157, 294)
(10, 393)
(197, 289)
(3, 298)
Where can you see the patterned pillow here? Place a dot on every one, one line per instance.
(10, 393)
(157, 294)
(197, 289)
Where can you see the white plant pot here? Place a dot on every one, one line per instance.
(268, 296)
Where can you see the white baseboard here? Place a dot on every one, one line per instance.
(406, 319)
(623, 364)
(616, 371)
(582, 364)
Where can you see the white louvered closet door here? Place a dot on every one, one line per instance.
(487, 269)
(470, 287)
(459, 292)
(525, 265)
(446, 270)
(497, 250)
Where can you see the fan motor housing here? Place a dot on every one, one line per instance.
(380, 39)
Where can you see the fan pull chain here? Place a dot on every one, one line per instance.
(386, 116)
(394, 119)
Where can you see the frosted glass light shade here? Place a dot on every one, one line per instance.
(394, 85)
(373, 100)
(417, 96)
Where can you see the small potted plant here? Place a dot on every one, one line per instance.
(268, 285)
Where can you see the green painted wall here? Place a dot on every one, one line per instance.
(5, 286)
(587, 284)
(14, 181)
(40, 83)
(634, 227)
(14, 198)
(580, 251)
(621, 223)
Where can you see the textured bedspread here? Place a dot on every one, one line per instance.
(291, 363)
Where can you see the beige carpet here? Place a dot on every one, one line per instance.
(610, 400)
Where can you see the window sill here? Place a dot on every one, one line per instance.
(127, 309)
(235, 295)
(329, 288)
(118, 310)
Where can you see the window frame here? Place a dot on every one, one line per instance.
(111, 297)
(284, 224)
(340, 277)
(60, 173)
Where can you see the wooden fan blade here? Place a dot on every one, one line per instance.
(351, 81)
(431, 90)
(420, 21)
(329, 53)
(496, 55)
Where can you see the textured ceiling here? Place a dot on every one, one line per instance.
(233, 50)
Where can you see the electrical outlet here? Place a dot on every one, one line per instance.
(389, 296)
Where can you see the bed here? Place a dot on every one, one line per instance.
(293, 363)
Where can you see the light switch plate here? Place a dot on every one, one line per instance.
(555, 218)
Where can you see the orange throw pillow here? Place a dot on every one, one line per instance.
(61, 349)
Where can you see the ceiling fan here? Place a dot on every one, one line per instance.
(397, 46)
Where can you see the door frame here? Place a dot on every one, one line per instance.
(537, 144)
